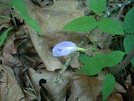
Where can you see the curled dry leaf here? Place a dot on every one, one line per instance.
(85, 88)
(9, 88)
(7, 58)
(55, 91)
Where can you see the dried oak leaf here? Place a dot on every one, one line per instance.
(85, 88)
(51, 21)
(55, 91)
(9, 88)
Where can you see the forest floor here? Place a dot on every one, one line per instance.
(28, 69)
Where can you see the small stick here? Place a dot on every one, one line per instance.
(121, 9)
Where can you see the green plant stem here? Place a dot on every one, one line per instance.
(124, 63)
(72, 55)
(12, 16)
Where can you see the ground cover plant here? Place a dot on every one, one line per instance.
(59, 50)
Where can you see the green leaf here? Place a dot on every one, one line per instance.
(110, 26)
(32, 23)
(84, 58)
(5, 17)
(128, 45)
(92, 67)
(129, 22)
(95, 64)
(110, 59)
(20, 6)
(85, 23)
(98, 6)
(108, 86)
(3, 36)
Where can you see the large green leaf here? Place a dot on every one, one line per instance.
(20, 6)
(98, 6)
(110, 26)
(92, 67)
(32, 23)
(3, 36)
(108, 86)
(129, 44)
(95, 64)
(84, 58)
(85, 23)
(110, 59)
(129, 21)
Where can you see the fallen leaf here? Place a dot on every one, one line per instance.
(9, 88)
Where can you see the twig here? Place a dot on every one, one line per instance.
(124, 63)
(121, 9)
(72, 55)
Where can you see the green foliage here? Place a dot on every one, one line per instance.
(108, 85)
(84, 58)
(129, 44)
(110, 59)
(3, 36)
(85, 23)
(21, 6)
(5, 17)
(110, 26)
(98, 6)
(95, 64)
(129, 21)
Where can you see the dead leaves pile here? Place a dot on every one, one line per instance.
(28, 70)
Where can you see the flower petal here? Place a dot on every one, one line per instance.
(64, 48)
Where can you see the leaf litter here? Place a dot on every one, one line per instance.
(28, 69)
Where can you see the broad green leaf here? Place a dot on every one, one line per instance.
(110, 59)
(3, 36)
(84, 58)
(108, 86)
(92, 67)
(20, 6)
(98, 6)
(95, 64)
(32, 23)
(5, 17)
(85, 23)
(110, 26)
(129, 44)
(129, 22)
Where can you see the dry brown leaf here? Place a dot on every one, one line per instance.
(55, 91)
(4, 11)
(103, 39)
(9, 88)
(51, 21)
(7, 58)
(85, 88)
(115, 97)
